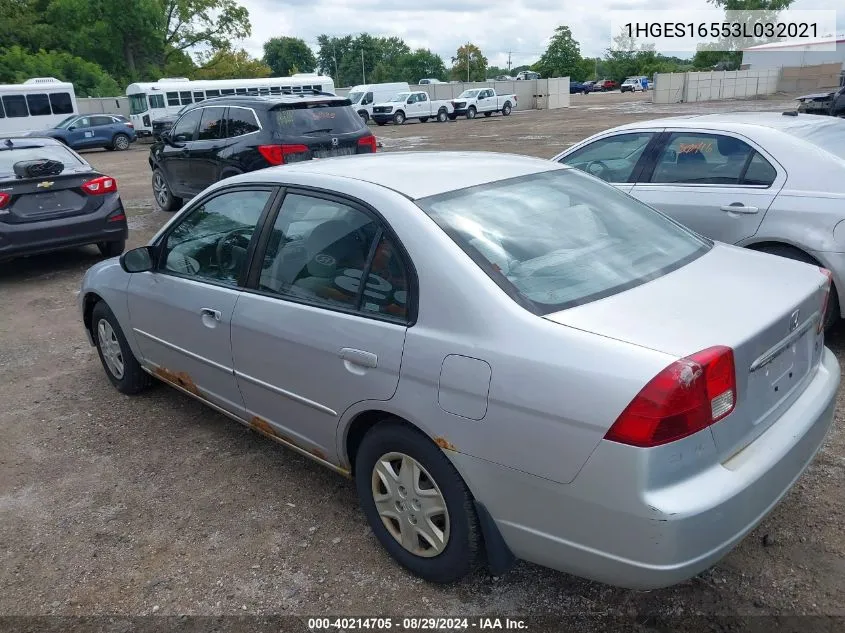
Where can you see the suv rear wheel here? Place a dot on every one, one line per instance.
(165, 199)
(120, 142)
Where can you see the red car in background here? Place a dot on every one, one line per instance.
(606, 84)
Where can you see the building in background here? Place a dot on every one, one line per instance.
(780, 55)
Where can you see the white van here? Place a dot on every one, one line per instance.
(36, 104)
(365, 96)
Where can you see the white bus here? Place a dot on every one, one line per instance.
(150, 101)
(36, 104)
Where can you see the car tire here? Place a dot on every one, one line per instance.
(112, 249)
(120, 142)
(453, 117)
(122, 368)
(832, 315)
(380, 123)
(423, 119)
(488, 114)
(399, 118)
(471, 112)
(506, 109)
(365, 117)
(387, 446)
(165, 200)
(442, 116)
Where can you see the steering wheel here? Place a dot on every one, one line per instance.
(596, 168)
(226, 245)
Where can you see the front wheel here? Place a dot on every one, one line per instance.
(165, 199)
(416, 503)
(442, 116)
(506, 110)
(471, 113)
(122, 368)
(399, 118)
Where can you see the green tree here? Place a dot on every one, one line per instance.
(562, 56)
(231, 64)
(211, 23)
(469, 64)
(89, 80)
(286, 54)
(331, 51)
(420, 64)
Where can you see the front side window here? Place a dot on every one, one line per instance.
(138, 103)
(559, 239)
(211, 124)
(612, 158)
(157, 101)
(15, 106)
(368, 99)
(321, 249)
(81, 122)
(186, 126)
(211, 242)
(241, 121)
(702, 158)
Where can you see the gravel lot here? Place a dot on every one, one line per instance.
(155, 504)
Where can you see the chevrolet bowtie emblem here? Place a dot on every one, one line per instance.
(46, 183)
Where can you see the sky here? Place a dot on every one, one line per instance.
(523, 27)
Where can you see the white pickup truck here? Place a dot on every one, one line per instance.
(482, 100)
(411, 105)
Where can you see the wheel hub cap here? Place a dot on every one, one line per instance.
(110, 347)
(410, 504)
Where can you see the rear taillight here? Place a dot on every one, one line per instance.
(100, 186)
(367, 142)
(277, 154)
(4, 199)
(825, 299)
(132, 125)
(689, 395)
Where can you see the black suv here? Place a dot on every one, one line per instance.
(222, 137)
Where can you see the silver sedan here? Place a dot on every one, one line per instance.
(511, 358)
(769, 181)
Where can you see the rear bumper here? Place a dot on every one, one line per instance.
(612, 525)
(50, 235)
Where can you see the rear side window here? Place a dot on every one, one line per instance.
(39, 105)
(312, 118)
(185, 97)
(241, 121)
(211, 124)
(760, 172)
(97, 121)
(559, 239)
(173, 98)
(15, 106)
(61, 103)
(702, 159)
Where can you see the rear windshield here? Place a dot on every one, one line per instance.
(829, 137)
(313, 118)
(561, 238)
(8, 157)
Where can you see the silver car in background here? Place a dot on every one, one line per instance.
(511, 358)
(772, 182)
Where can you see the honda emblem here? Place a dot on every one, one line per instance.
(334, 142)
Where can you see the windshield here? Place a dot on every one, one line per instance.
(65, 123)
(8, 157)
(468, 94)
(829, 137)
(314, 118)
(561, 238)
(355, 97)
(400, 97)
(138, 103)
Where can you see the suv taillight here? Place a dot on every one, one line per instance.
(99, 186)
(825, 300)
(4, 199)
(367, 143)
(689, 395)
(276, 154)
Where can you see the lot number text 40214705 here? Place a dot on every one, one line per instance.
(416, 624)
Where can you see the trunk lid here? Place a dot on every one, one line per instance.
(764, 307)
(39, 199)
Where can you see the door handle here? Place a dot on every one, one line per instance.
(211, 313)
(738, 207)
(359, 357)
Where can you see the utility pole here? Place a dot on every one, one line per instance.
(469, 56)
(363, 75)
(509, 62)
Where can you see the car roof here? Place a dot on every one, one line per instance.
(417, 174)
(268, 100)
(739, 121)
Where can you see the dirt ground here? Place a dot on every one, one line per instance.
(155, 504)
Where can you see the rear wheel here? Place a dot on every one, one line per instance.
(423, 119)
(471, 112)
(452, 117)
(488, 114)
(122, 368)
(417, 504)
(506, 109)
(112, 249)
(120, 142)
(399, 118)
(831, 316)
(165, 199)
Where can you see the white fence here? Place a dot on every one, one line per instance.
(103, 105)
(715, 85)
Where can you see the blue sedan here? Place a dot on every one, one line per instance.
(111, 131)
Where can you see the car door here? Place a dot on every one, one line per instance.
(104, 128)
(81, 133)
(181, 312)
(308, 342)
(486, 101)
(423, 105)
(412, 108)
(716, 183)
(203, 154)
(174, 157)
(616, 158)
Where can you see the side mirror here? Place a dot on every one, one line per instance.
(138, 260)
